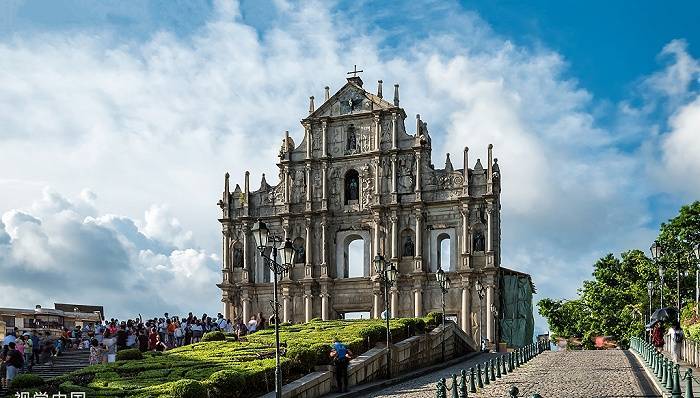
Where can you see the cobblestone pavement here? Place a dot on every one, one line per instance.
(570, 374)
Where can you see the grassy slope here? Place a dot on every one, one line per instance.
(307, 345)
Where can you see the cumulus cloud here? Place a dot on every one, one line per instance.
(161, 120)
(55, 253)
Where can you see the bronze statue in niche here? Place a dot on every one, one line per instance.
(352, 186)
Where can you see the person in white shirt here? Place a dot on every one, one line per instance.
(252, 325)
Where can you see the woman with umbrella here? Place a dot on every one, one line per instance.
(657, 336)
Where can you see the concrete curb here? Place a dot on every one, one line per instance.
(659, 388)
(364, 389)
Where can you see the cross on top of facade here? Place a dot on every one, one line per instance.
(355, 72)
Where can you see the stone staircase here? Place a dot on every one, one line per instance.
(67, 362)
(62, 364)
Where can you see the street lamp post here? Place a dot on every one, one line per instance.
(267, 246)
(481, 291)
(387, 276)
(444, 283)
(697, 279)
(650, 290)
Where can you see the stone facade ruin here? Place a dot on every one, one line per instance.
(362, 176)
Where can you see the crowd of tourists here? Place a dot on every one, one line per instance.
(103, 340)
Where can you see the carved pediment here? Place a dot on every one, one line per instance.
(350, 99)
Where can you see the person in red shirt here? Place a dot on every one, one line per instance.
(152, 339)
(657, 336)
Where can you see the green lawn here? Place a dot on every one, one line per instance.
(230, 368)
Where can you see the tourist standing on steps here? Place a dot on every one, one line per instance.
(14, 361)
(341, 357)
(28, 351)
(676, 339)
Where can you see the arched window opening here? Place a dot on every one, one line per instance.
(444, 249)
(352, 186)
(356, 257)
(351, 143)
(408, 244)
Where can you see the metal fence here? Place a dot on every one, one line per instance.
(477, 379)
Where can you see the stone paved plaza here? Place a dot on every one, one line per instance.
(584, 374)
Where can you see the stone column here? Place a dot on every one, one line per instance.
(308, 305)
(309, 186)
(324, 306)
(324, 131)
(465, 184)
(324, 260)
(377, 309)
(394, 236)
(394, 302)
(246, 309)
(465, 230)
(377, 132)
(466, 308)
(393, 176)
(285, 308)
(307, 248)
(377, 226)
(307, 133)
(418, 176)
(228, 314)
(226, 248)
(394, 130)
(490, 325)
(286, 185)
(246, 259)
(489, 230)
(417, 303)
(419, 234)
(323, 184)
(489, 171)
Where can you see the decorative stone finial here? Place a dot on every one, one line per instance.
(328, 93)
(396, 95)
(311, 104)
(379, 89)
(448, 164)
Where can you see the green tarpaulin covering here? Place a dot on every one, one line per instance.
(517, 321)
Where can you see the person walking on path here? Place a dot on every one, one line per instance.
(341, 357)
(14, 361)
(657, 337)
(676, 339)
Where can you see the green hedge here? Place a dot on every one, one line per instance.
(236, 369)
(129, 355)
(188, 388)
(214, 336)
(25, 381)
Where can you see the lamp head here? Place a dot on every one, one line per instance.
(392, 273)
(287, 253)
(440, 276)
(260, 233)
(378, 264)
(650, 286)
(697, 252)
(655, 250)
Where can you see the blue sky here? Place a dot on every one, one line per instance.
(119, 118)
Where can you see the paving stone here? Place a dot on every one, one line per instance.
(571, 374)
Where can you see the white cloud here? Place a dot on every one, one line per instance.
(160, 121)
(103, 260)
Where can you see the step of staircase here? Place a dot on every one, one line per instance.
(67, 362)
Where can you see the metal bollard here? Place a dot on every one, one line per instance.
(669, 379)
(513, 392)
(478, 376)
(517, 358)
(454, 386)
(689, 383)
(664, 371)
(463, 384)
(498, 367)
(657, 367)
(505, 368)
(472, 382)
(441, 390)
(492, 370)
(487, 378)
(676, 391)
